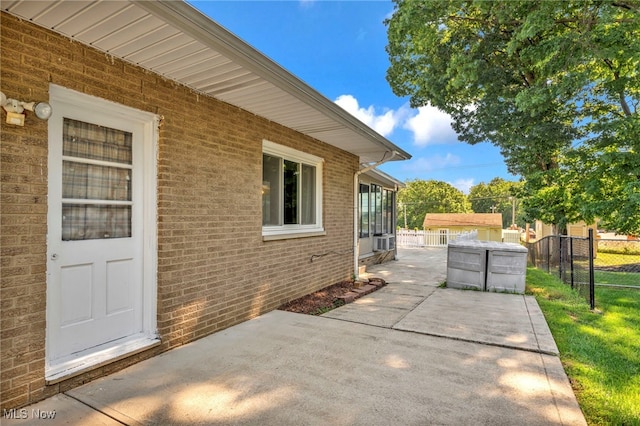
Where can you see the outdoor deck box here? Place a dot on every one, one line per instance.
(487, 266)
(466, 265)
(506, 268)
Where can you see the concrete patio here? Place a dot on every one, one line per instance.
(410, 353)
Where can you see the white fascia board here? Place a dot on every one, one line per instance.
(384, 177)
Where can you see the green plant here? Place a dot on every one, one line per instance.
(325, 309)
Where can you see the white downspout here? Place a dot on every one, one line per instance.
(356, 216)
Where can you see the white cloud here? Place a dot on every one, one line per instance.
(427, 164)
(463, 185)
(431, 126)
(383, 123)
(362, 34)
(307, 3)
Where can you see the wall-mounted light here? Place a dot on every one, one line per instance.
(15, 109)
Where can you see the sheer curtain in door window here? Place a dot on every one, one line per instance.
(96, 181)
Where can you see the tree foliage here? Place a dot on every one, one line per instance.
(497, 196)
(420, 197)
(555, 85)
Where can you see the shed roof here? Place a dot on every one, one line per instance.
(175, 40)
(463, 219)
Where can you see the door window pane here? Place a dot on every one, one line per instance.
(96, 166)
(89, 222)
(91, 182)
(90, 141)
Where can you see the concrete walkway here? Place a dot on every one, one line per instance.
(413, 302)
(408, 354)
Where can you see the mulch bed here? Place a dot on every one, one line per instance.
(333, 296)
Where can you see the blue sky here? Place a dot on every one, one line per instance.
(338, 48)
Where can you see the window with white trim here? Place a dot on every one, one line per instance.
(382, 210)
(291, 191)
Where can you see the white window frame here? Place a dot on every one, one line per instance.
(297, 230)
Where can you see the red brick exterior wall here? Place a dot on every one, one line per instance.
(214, 269)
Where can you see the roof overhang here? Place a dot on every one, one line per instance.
(173, 39)
(385, 178)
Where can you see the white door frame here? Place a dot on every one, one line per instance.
(69, 100)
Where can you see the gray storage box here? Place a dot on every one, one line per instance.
(507, 268)
(466, 265)
(486, 266)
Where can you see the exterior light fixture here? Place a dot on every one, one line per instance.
(15, 109)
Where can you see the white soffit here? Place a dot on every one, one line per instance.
(173, 39)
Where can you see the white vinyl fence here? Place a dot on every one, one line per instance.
(410, 238)
(441, 238)
(511, 236)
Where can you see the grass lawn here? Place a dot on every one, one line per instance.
(615, 259)
(600, 351)
(619, 278)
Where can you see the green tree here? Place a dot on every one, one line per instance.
(555, 85)
(420, 197)
(497, 196)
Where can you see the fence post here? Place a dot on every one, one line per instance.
(592, 287)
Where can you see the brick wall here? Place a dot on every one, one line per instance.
(214, 269)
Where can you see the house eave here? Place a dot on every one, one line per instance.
(385, 178)
(149, 32)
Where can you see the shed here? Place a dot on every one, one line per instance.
(488, 225)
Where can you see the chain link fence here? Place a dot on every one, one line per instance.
(617, 263)
(569, 258)
(584, 263)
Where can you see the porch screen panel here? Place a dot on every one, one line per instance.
(389, 202)
(364, 211)
(96, 181)
(376, 204)
(385, 213)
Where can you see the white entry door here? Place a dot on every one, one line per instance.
(97, 290)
